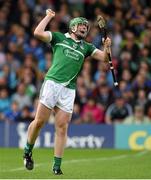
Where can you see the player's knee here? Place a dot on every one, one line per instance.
(61, 130)
(38, 123)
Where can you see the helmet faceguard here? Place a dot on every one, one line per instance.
(74, 23)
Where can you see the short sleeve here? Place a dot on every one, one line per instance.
(91, 49)
(55, 37)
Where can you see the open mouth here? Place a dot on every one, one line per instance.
(82, 31)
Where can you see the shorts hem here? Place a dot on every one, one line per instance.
(46, 105)
(64, 109)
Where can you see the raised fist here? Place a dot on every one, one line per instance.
(49, 12)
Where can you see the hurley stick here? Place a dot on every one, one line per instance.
(102, 25)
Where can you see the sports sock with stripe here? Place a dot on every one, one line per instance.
(28, 147)
(57, 163)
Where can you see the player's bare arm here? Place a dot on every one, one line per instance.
(102, 55)
(40, 32)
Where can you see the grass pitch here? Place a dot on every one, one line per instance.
(78, 164)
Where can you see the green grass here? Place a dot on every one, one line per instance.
(78, 164)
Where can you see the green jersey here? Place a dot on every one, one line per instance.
(68, 58)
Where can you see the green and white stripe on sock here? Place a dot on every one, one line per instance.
(28, 147)
(57, 163)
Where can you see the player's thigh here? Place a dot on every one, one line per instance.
(42, 113)
(49, 93)
(62, 118)
(66, 100)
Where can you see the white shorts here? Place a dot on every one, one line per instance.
(54, 94)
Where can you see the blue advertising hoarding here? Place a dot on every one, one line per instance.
(91, 136)
(2, 134)
(79, 136)
(135, 137)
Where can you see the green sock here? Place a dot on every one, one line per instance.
(28, 148)
(57, 162)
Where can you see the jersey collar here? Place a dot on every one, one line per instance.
(69, 36)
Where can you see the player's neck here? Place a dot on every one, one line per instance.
(74, 37)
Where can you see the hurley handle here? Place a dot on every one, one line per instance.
(102, 25)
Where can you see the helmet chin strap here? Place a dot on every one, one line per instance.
(74, 29)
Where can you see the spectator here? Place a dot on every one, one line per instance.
(129, 96)
(145, 56)
(140, 82)
(102, 75)
(20, 97)
(76, 117)
(25, 115)
(116, 38)
(10, 76)
(82, 97)
(92, 112)
(125, 62)
(86, 74)
(127, 76)
(118, 111)
(103, 95)
(4, 100)
(138, 117)
(141, 98)
(29, 65)
(12, 114)
(28, 79)
(144, 69)
(35, 49)
(13, 63)
(131, 46)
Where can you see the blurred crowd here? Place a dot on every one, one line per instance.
(24, 60)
